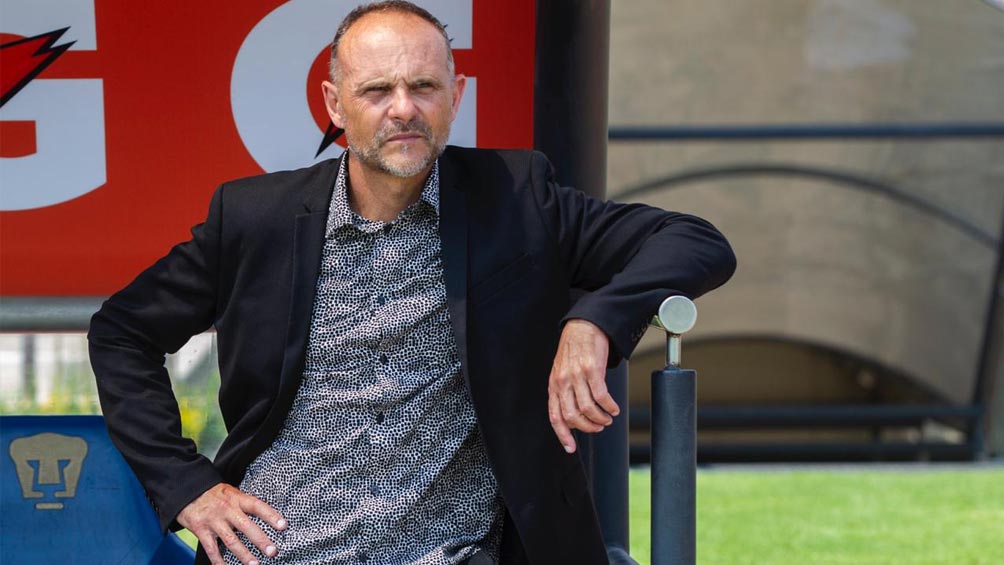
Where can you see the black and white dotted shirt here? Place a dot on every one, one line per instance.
(380, 459)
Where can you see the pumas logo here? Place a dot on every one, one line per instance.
(48, 467)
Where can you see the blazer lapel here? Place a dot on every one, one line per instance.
(453, 233)
(308, 247)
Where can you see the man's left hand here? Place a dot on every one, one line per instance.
(577, 390)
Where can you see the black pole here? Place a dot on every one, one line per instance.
(570, 127)
(674, 467)
(991, 357)
(570, 90)
(611, 456)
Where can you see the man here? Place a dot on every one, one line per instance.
(392, 377)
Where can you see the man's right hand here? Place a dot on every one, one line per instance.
(222, 511)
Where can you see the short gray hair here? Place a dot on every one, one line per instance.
(387, 6)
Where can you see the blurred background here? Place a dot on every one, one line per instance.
(859, 322)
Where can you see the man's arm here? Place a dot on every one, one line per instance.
(630, 257)
(156, 314)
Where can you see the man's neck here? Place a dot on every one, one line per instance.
(379, 196)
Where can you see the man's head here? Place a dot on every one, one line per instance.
(392, 87)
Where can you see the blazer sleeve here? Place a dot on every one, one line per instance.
(630, 257)
(156, 314)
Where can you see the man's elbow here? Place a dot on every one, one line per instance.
(718, 260)
(112, 329)
(102, 326)
(727, 263)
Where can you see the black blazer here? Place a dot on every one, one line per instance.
(513, 244)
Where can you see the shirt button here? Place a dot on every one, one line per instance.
(387, 228)
(383, 359)
(379, 417)
(374, 490)
(381, 300)
(363, 557)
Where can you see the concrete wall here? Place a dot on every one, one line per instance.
(823, 262)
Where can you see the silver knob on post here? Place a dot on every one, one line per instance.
(677, 315)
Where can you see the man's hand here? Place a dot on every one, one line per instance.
(221, 510)
(577, 396)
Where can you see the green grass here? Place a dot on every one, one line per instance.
(189, 538)
(839, 517)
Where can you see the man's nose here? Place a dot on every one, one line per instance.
(402, 106)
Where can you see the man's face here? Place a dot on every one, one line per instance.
(395, 96)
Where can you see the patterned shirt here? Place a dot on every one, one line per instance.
(380, 459)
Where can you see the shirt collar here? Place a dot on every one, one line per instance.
(341, 214)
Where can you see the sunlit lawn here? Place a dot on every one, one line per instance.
(840, 516)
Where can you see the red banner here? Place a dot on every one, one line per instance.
(119, 118)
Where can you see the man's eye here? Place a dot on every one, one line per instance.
(424, 86)
(376, 90)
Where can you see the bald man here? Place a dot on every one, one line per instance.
(401, 367)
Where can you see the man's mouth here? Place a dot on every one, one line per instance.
(406, 137)
(406, 133)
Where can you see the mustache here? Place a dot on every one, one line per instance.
(397, 128)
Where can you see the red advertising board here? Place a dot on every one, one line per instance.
(119, 118)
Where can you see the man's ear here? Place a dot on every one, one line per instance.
(330, 92)
(459, 83)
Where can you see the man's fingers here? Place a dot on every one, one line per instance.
(572, 415)
(255, 535)
(233, 542)
(598, 388)
(558, 423)
(211, 546)
(252, 505)
(588, 407)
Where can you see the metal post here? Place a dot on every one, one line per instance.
(570, 90)
(991, 365)
(570, 127)
(674, 452)
(610, 472)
